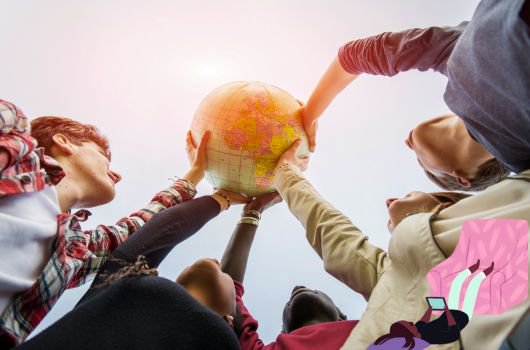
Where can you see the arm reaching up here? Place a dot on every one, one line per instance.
(384, 54)
(234, 263)
(334, 80)
(235, 257)
(344, 249)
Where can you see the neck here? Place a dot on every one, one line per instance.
(469, 154)
(316, 321)
(68, 191)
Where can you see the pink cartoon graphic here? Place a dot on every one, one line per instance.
(488, 271)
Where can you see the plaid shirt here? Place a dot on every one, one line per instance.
(77, 253)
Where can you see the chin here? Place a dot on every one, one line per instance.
(108, 197)
(100, 198)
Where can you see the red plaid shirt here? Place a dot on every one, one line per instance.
(77, 253)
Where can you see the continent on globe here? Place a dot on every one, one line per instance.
(251, 125)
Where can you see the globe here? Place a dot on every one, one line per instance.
(251, 124)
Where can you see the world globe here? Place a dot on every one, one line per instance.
(251, 125)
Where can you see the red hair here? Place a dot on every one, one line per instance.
(44, 128)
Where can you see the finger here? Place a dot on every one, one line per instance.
(311, 135)
(204, 141)
(315, 136)
(263, 199)
(238, 198)
(276, 199)
(303, 163)
(272, 195)
(294, 147)
(189, 140)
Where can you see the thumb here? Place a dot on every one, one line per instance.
(204, 140)
(295, 146)
(311, 136)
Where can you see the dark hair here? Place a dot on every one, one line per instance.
(489, 173)
(43, 129)
(342, 317)
(399, 329)
(139, 268)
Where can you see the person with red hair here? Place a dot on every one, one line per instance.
(48, 168)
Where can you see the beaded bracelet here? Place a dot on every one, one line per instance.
(248, 220)
(225, 197)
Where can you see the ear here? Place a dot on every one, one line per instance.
(229, 319)
(461, 179)
(62, 144)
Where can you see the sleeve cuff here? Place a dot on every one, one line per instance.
(345, 61)
(185, 188)
(286, 176)
(240, 290)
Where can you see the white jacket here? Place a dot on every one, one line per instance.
(394, 282)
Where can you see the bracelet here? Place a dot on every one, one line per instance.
(248, 220)
(223, 196)
(252, 213)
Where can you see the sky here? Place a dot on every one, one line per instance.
(139, 69)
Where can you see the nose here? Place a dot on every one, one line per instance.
(296, 288)
(408, 140)
(116, 177)
(216, 261)
(389, 201)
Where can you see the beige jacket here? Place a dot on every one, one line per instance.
(394, 282)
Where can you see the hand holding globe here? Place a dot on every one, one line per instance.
(252, 124)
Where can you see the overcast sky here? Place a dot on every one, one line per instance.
(139, 69)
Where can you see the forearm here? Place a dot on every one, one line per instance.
(104, 239)
(427, 315)
(450, 319)
(168, 228)
(345, 251)
(194, 175)
(157, 238)
(392, 52)
(334, 80)
(235, 256)
(4, 159)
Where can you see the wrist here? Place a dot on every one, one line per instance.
(281, 164)
(309, 112)
(194, 175)
(222, 199)
(250, 217)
